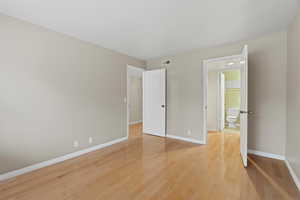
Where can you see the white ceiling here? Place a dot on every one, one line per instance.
(153, 28)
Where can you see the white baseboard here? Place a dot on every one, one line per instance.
(149, 132)
(267, 155)
(279, 157)
(135, 122)
(293, 174)
(215, 130)
(185, 139)
(57, 160)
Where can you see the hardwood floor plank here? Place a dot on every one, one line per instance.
(154, 168)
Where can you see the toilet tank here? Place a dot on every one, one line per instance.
(234, 112)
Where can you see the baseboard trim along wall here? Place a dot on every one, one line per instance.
(57, 160)
(185, 139)
(279, 157)
(293, 174)
(267, 155)
(135, 122)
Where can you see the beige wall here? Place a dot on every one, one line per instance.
(212, 103)
(135, 99)
(56, 89)
(293, 95)
(267, 90)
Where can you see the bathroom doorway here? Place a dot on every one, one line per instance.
(229, 100)
(223, 106)
(225, 99)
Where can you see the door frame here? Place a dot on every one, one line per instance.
(127, 99)
(205, 84)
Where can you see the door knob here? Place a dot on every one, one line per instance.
(246, 112)
(162, 106)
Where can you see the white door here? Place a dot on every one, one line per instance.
(222, 101)
(244, 106)
(154, 98)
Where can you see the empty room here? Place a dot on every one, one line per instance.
(149, 100)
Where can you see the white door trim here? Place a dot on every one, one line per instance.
(127, 99)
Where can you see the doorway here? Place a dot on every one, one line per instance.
(223, 107)
(134, 101)
(229, 101)
(146, 102)
(225, 98)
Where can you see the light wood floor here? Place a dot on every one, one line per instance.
(155, 168)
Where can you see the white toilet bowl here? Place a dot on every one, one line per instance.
(232, 117)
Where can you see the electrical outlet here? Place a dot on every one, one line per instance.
(125, 100)
(189, 132)
(75, 144)
(90, 140)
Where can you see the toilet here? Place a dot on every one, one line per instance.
(232, 117)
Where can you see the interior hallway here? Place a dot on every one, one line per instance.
(150, 167)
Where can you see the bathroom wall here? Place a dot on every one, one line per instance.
(232, 75)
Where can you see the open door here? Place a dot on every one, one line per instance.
(221, 102)
(154, 98)
(244, 106)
